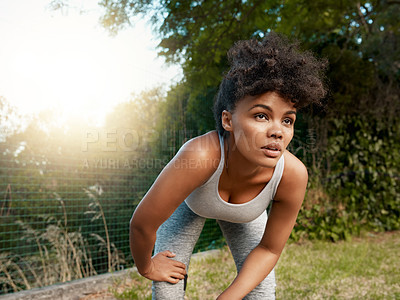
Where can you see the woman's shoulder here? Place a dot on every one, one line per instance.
(203, 151)
(294, 169)
(294, 179)
(203, 147)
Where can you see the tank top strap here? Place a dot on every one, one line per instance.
(221, 145)
(215, 176)
(277, 175)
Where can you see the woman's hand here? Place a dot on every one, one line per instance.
(163, 268)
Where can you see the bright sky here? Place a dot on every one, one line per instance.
(66, 60)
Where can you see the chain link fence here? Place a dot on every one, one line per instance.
(65, 214)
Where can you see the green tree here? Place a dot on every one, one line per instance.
(197, 34)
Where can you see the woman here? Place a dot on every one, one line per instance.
(233, 173)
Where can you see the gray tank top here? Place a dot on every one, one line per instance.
(206, 202)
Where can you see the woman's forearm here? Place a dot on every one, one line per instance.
(141, 244)
(258, 264)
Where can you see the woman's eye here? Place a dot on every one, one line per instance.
(261, 117)
(288, 121)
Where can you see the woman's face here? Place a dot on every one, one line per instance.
(262, 127)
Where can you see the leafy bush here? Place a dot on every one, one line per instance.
(360, 188)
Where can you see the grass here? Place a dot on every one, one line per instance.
(365, 268)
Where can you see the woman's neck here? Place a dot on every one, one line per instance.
(237, 166)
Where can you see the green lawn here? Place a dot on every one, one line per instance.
(365, 268)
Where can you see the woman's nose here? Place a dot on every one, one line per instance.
(275, 131)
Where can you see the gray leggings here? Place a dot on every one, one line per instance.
(180, 233)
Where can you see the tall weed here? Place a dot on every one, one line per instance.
(60, 254)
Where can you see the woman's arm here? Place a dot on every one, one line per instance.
(286, 205)
(184, 173)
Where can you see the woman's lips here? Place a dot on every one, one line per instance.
(271, 153)
(272, 149)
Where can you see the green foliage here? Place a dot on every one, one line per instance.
(359, 189)
(175, 124)
(366, 152)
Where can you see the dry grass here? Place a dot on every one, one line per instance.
(62, 255)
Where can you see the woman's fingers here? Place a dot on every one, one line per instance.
(180, 265)
(177, 272)
(177, 275)
(172, 280)
(168, 253)
(174, 263)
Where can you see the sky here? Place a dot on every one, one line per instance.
(65, 60)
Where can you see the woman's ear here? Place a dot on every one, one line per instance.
(226, 120)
